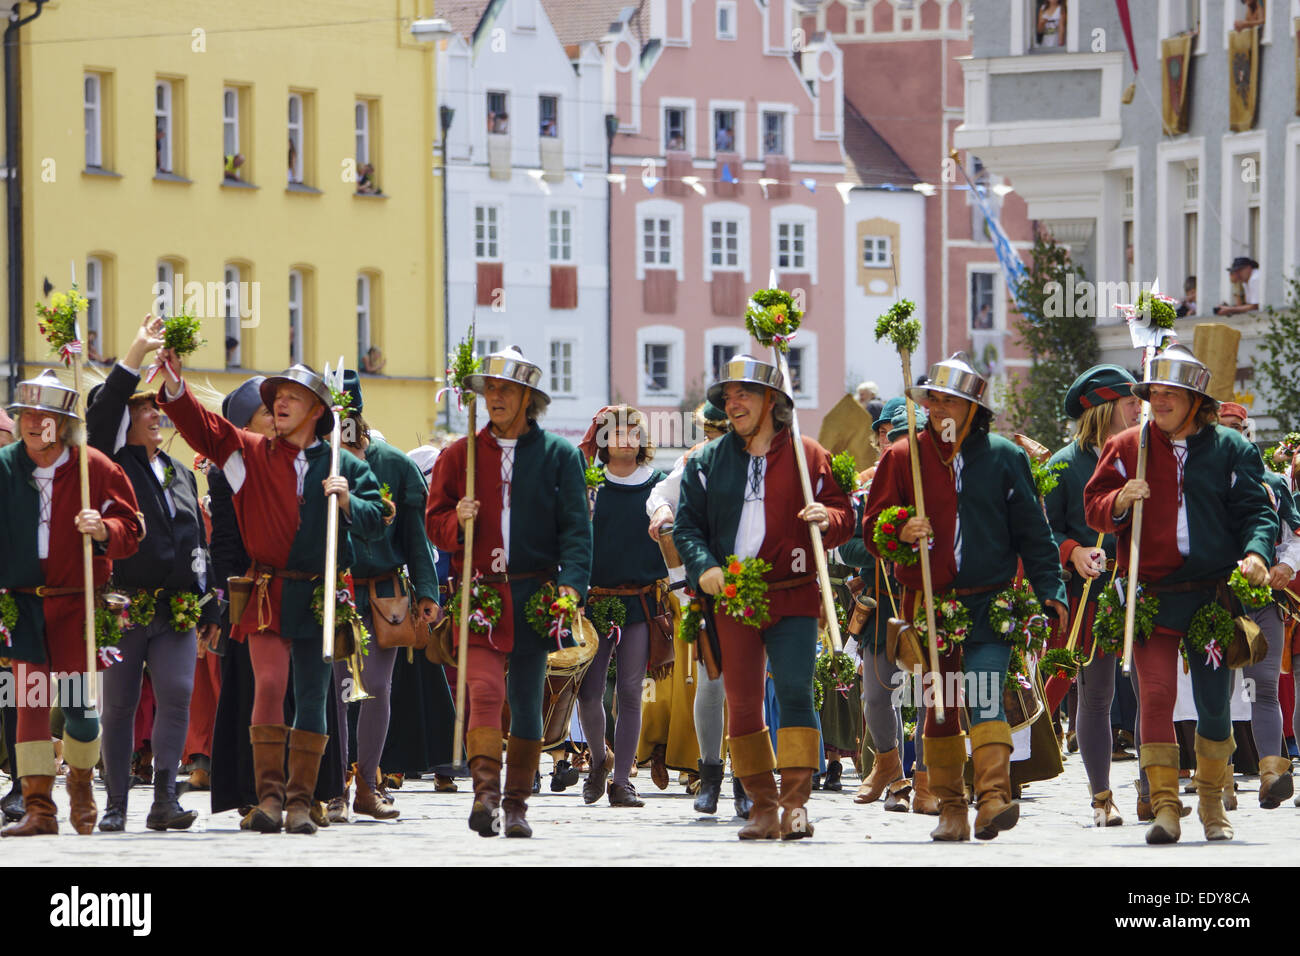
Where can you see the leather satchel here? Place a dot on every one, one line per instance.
(440, 649)
(1248, 645)
(902, 646)
(660, 625)
(394, 619)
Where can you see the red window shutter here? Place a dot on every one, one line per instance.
(564, 287)
(489, 282)
(777, 167)
(678, 165)
(659, 292)
(727, 295)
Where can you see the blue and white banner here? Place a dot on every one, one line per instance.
(1013, 269)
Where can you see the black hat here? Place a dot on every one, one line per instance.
(240, 405)
(1241, 262)
(1098, 385)
(352, 385)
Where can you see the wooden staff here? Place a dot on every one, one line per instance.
(819, 550)
(918, 497)
(1083, 604)
(87, 552)
(1135, 541)
(331, 531)
(466, 575)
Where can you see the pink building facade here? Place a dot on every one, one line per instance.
(724, 165)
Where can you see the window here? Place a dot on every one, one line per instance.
(362, 123)
(92, 102)
(1128, 193)
(724, 244)
(790, 246)
(295, 316)
(724, 130)
(548, 114)
(162, 120)
(773, 132)
(656, 241)
(875, 252)
(726, 19)
(561, 368)
(794, 362)
(366, 113)
(230, 307)
(498, 118)
(658, 367)
(560, 235)
(1191, 206)
(230, 121)
(364, 316)
(486, 232)
(981, 300)
(295, 138)
(1252, 212)
(1049, 26)
(720, 355)
(485, 347)
(1126, 244)
(94, 292)
(164, 300)
(675, 127)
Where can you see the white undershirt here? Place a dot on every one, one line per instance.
(45, 487)
(1184, 535)
(753, 520)
(507, 478)
(156, 463)
(667, 491)
(957, 464)
(638, 477)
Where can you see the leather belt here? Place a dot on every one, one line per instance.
(619, 592)
(46, 591)
(288, 575)
(1184, 587)
(516, 576)
(262, 574)
(971, 592)
(791, 582)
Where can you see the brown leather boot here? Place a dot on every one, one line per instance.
(898, 796)
(752, 763)
(991, 756)
(268, 774)
(1212, 775)
(886, 769)
(305, 750)
(923, 799)
(1229, 791)
(522, 758)
(39, 818)
(1275, 783)
(81, 757)
(1104, 811)
(483, 745)
(798, 753)
(367, 801)
(1160, 761)
(945, 759)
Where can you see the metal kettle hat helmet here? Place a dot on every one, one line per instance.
(1178, 367)
(747, 370)
(308, 378)
(509, 365)
(954, 376)
(46, 393)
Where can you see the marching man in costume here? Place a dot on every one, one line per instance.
(1102, 401)
(41, 528)
(531, 528)
(984, 517)
(1209, 511)
(738, 497)
(280, 487)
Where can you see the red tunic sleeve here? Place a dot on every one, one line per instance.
(209, 434)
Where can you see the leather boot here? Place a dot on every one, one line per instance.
(522, 758)
(706, 801)
(923, 799)
(886, 769)
(483, 744)
(113, 819)
(367, 801)
(740, 799)
(38, 817)
(1212, 775)
(991, 756)
(945, 759)
(81, 757)
(1160, 761)
(268, 774)
(1275, 783)
(594, 787)
(798, 752)
(898, 796)
(305, 751)
(167, 812)
(752, 762)
(1104, 811)
(11, 805)
(1229, 790)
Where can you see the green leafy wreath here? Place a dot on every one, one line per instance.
(1017, 616)
(607, 614)
(773, 318)
(1061, 661)
(484, 607)
(832, 672)
(952, 619)
(547, 610)
(744, 590)
(142, 608)
(186, 611)
(886, 537)
(899, 327)
(1210, 633)
(1108, 624)
(345, 609)
(8, 616)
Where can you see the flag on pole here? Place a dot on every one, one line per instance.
(1013, 269)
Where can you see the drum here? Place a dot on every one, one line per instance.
(1023, 705)
(564, 672)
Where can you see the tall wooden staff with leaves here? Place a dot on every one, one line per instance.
(338, 401)
(464, 363)
(773, 318)
(58, 323)
(899, 327)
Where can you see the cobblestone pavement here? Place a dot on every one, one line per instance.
(1055, 827)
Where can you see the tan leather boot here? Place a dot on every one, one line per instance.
(367, 801)
(39, 817)
(305, 751)
(268, 742)
(886, 769)
(752, 761)
(898, 796)
(1229, 790)
(798, 752)
(1275, 783)
(522, 758)
(923, 799)
(945, 759)
(1104, 811)
(1212, 775)
(1160, 761)
(991, 757)
(81, 757)
(483, 745)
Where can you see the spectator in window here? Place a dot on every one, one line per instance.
(1254, 16)
(725, 140)
(771, 142)
(366, 180)
(373, 361)
(676, 141)
(983, 318)
(1051, 23)
(1245, 287)
(158, 138)
(233, 165)
(293, 161)
(92, 347)
(500, 123)
(548, 128)
(1188, 305)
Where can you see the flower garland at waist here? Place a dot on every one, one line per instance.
(8, 616)
(952, 619)
(1210, 633)
(484, 607)
(552, 615)
(1108, 625)
(744, 591)
(1016, 616)
(345, 609)
(833, 672)
(607, 616)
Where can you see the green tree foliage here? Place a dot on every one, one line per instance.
(1281, 343)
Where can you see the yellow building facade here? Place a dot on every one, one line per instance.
(322, 239)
